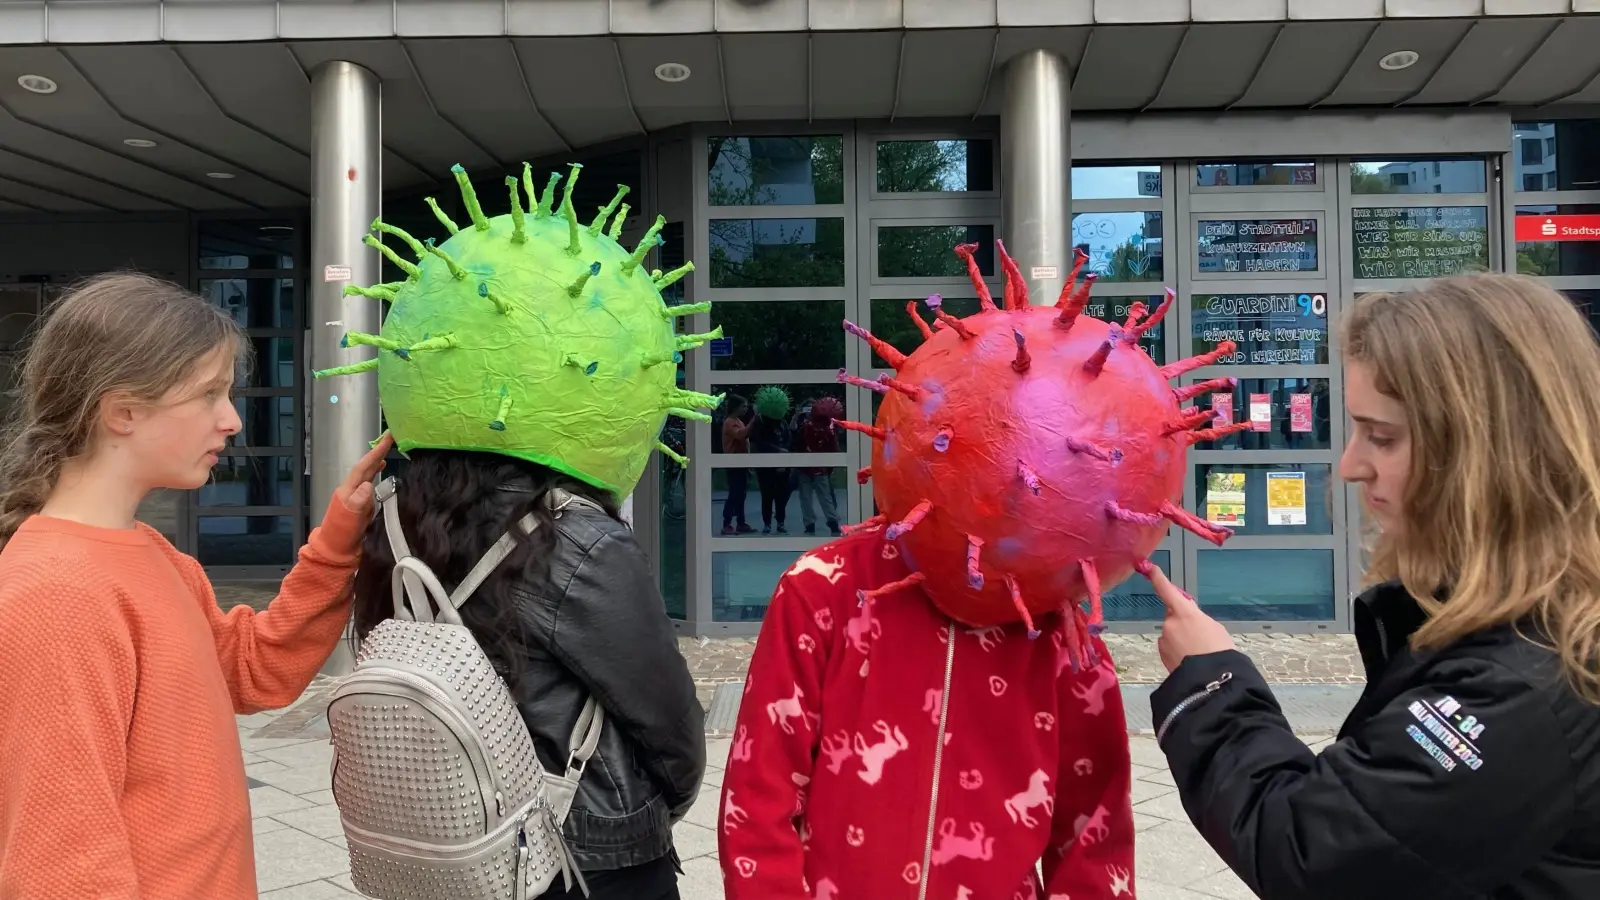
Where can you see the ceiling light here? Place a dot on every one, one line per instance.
(672, 72)
(1400, 59)
(139, 142)
(220, 176)
(37, 84)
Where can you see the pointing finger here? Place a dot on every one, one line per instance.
(1176, 601)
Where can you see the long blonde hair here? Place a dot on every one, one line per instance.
(1500, 378)
(121, 331)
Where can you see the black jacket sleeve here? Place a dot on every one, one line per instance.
(1415, 801)
(612, 632)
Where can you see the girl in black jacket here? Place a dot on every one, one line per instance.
(1471, 765)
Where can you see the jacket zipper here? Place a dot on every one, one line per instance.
(938, 759)
(1189, 701)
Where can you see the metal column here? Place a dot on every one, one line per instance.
(1036, 170)
(346, 195)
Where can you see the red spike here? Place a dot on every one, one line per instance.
(883, 348)
(1079, 258)
(985, 300)
(1016, 600)
(974, 574)
(1184, 366)
(863, 475)
(895, 384)
(917, 514)
(912, 580)
(1135, 313)
(1190, 438)
(844, 377)
(1189, 392)
(1097, 361)
(1023, 360)
(876, 434)
(1071, 305)
(868, 525)
(1192, 523)
(1137, 332)
(956, 324)
(1194, 417)
(941, 441)
(1079, 445)
(922, 324)
(1116, 511)
(1091, 580)
(1016, 289)
(1028, 476)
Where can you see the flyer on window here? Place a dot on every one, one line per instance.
(1222, 407)
(1260, 412)
(1225, 498)
(1300, 412)
(1286, 498)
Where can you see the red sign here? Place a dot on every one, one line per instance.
(1299, 412)
(1222, 406)
(1534, 229)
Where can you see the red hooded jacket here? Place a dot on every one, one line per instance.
(884, 752)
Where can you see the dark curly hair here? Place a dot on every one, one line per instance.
(454, 505)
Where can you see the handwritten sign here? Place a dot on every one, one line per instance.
(1266, 329)
(1258, 245)
(1420, 241)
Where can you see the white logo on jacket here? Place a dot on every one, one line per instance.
(874, 756)
(1037, 795)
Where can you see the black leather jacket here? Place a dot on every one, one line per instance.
(598, 626)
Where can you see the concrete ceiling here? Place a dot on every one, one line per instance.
(488, 103)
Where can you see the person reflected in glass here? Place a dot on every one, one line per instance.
(770, 434)
(1469, 763)
(736, 439)
(819, 434)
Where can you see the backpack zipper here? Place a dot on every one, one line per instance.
(1189, 701)
(938, 760)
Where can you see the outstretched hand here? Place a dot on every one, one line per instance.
(355, 492)
(1186, 630)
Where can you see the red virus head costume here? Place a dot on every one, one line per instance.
(1026, 458)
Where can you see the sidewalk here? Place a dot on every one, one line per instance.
(300, 849)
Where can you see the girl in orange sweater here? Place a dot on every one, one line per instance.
(120, 769)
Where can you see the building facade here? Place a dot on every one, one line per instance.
(815, 171)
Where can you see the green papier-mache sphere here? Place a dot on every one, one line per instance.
(532, 335)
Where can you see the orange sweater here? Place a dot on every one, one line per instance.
(120, 768)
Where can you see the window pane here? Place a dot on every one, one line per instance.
(778, 334)
(253, 302)
(924, 167)
(775, 171)
(1260, 172)
(1419, 176)
(272, 364)
(1115, 182)
(891, 322)
(928, 251)
(267, 422)
(671, 258)
(1269, 329)
(251, 481)
(1588, 303)
(1134, 600)
(1420, 241)
(246, 540)
(672, 550)
(742, 583)
(1266, 498)
(1558, 240)
(1288, 414)
(766, 253)
(1121, 246)
(1266, 585)
(257, 244)
(1557, 156)
(1258, 245)
(806, 500)
(783, 435)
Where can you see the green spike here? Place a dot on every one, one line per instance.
(646, 244)
(672, 454)
(571, 215)
(606, 211)
(651, 359)
(685, 309)
(691, 341)
(455, 269)
(470, 198)
(366, 365)
(547, 202)
(413, 243)
(437, 342)
(519, 233)
(404, 265)
(362, 339)
(500, 304)
(618, 222)
(577, 286)
(671, 278)
(377, 292)
(689, 414)
(439, 214)
(695, 399)
(654, 274)
(499, 423)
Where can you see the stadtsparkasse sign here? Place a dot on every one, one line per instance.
(1536, 229)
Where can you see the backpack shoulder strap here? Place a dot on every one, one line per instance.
(558, 500)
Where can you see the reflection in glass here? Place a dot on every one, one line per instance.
(266, 422)
(1116, 182)
(778, 334)
(1266, 585)
(775, 170)
(928, 251)
(891, 322)
(1257, 245)
(926, 167)
(1419, 176)
(742, 583)
(1419, 241)
(672, 550)
(1288, 413)
(246, 540)
(247, 244)
(1265, 498)
(1134, 599)
(1557, 156)
(1115, 309)
(1121, 246)
(1258, 172)
(756, 501)
(250, 481)
(1556, 257)
(253, 302)
(772, 253)
(1268, 329)
(765, 435)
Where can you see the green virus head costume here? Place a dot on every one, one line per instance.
(772, 402)
(533, 335)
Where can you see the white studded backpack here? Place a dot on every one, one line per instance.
(439, 790)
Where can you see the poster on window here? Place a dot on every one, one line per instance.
(1222, 408)
(1260, 412)
(1286, 498)
(1300, 412)
(1225, 498)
